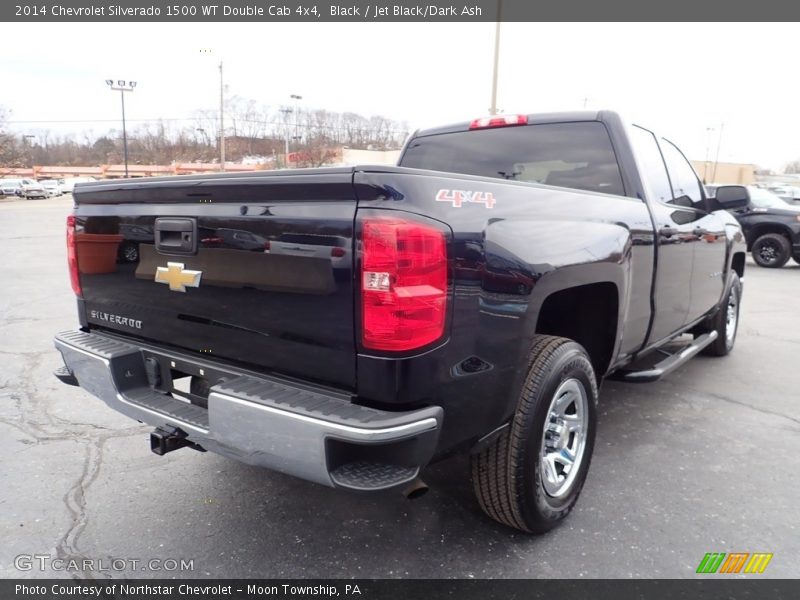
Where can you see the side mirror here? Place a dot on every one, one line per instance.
(731, 197)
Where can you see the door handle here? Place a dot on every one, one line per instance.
(699, 231)
(667, 231)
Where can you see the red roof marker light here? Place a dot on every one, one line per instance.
(499, 121)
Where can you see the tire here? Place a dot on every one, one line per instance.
(510, 480)
(771, 250)
(725, 322)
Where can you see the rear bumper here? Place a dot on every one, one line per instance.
(305, 431)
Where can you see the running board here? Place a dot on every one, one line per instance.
(669, 364)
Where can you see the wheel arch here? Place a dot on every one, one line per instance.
(737, 263)
(756, 231)
(587, 304)
(587, 314)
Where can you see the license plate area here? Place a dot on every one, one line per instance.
(184, 380)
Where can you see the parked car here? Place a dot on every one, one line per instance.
(52, 187)
(312, 245)
(68, 184)
(11, 187)
(31, 188)
(789, 193)
(589, 246)
(133, 235)
(771, 226)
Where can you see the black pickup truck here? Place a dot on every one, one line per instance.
(771, 227)
(350, 325)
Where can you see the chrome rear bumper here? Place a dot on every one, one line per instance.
(298, 429)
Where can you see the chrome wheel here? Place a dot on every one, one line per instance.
(732, 318)
(130, 252)
(564, 437)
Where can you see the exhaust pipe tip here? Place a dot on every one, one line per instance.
(416, 489)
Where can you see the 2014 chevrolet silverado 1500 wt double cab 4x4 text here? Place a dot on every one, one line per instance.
(471, 299)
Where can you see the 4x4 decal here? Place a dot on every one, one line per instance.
(458, 197)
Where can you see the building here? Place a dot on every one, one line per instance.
(312, 158)
(722, 172)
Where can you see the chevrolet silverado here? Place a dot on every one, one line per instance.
(351, 325)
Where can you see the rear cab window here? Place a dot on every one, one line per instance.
(575, 155)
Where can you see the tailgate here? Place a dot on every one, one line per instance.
(255, 269)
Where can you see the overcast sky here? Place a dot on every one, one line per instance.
(680, 79)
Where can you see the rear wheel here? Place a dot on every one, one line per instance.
(531, 475)
(771, 250)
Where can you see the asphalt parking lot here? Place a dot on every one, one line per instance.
(706, 460)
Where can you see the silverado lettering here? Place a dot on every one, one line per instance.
(364, 327)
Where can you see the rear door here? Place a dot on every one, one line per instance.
(192, 268)
(708, 233)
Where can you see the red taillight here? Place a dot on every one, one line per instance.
(72, 256)
(403, 284)
(501, 121)
(337, 252)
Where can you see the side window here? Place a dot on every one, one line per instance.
(651, 163)
(686, 189)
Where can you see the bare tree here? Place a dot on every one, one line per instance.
(792, 168)
(9, 144)
(315, 136)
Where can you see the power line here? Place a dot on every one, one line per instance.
(101, 120)
(307, 126)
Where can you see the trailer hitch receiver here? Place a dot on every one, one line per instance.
(167, 438)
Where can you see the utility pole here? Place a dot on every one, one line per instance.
(493, 107)
(286, 111)
(719, 145)
(221, 120)
(708, 150)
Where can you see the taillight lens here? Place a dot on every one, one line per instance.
(337, 252)
(403, 284)
(500, 121)
(72, 256)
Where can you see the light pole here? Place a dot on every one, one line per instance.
(204, 134)
(221, 111)
(25, 142)
(205, 141)
(296, 98)
(122, 87)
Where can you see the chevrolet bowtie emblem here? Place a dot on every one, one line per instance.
(174, 275)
